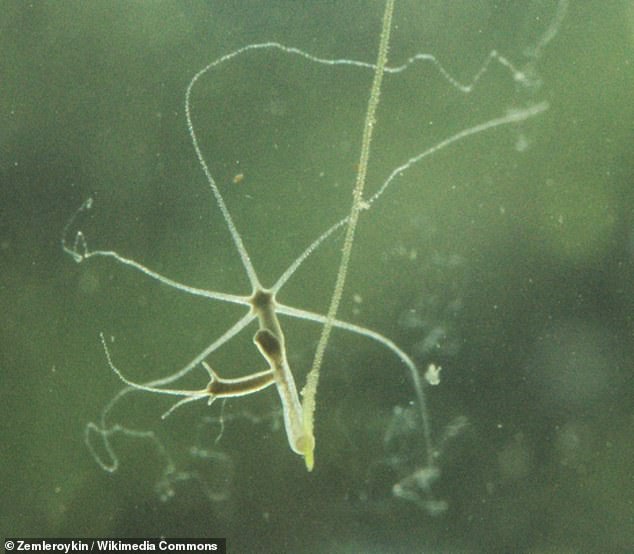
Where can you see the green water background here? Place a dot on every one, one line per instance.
(515, 247)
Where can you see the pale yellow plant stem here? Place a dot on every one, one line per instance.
(312, 380)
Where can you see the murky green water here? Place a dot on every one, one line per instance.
(506, 258)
